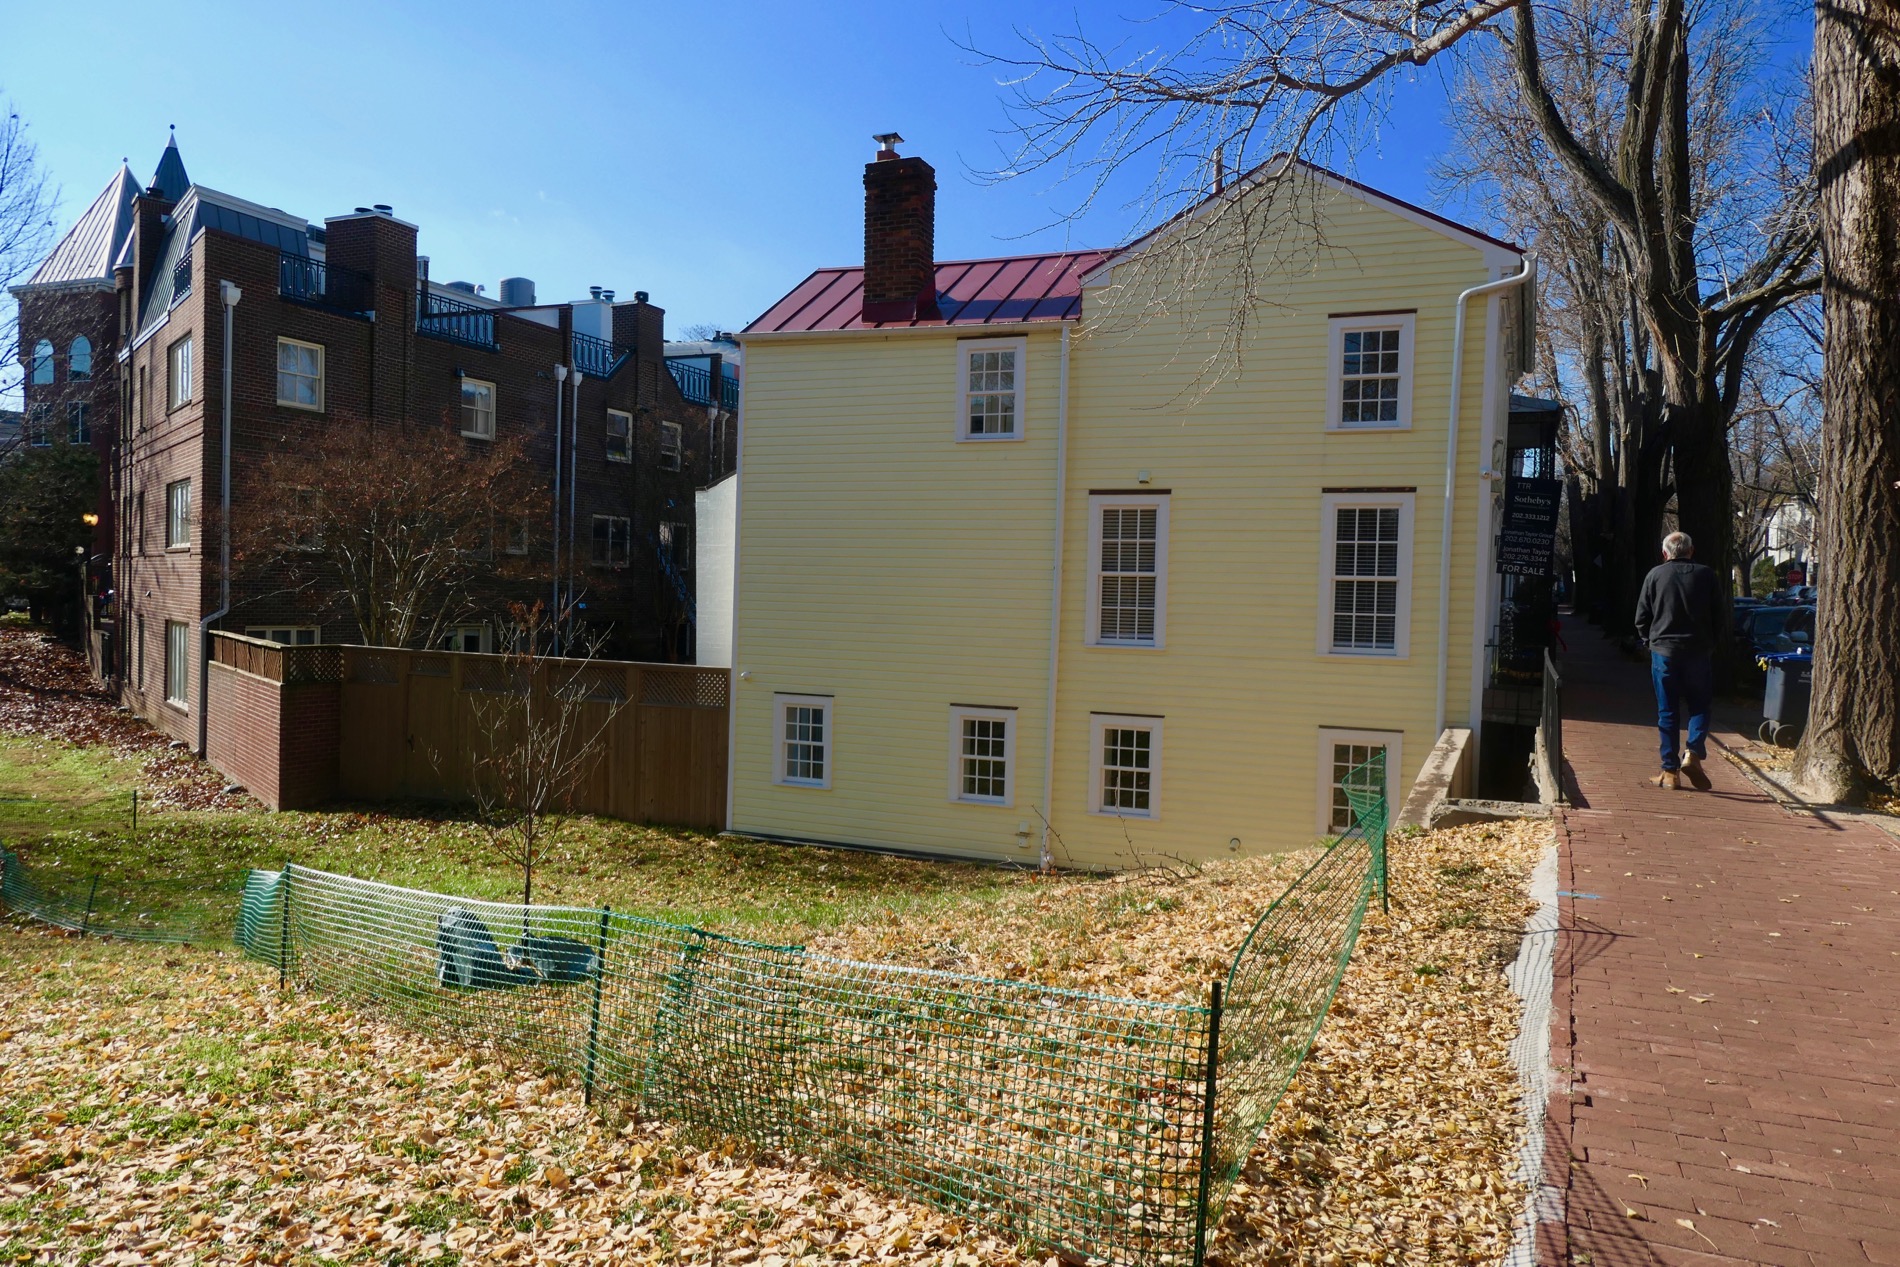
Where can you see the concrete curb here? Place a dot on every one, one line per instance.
(1530, 975)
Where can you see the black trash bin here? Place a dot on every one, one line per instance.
(1784, 705)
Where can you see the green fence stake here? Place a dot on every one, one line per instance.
(1207, 1122)
(85, 921)
(283, 927)
(593, 1020)
(135, 811)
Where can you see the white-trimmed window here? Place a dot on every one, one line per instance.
(672, 445)
(1125, 765)
(803, 747)
(982, 754)
(676, 545)
(286, 635)
(79, 360)
(42, 368)
(478, 409)
(472, 636)
(1366, 574)
(1341, 752)
(78, 422)
(178, 515)
(613, 541)
(619, 436)
(299, 374)
(514, 535)
(39, 425)
(1128, 570)
(1370, 372)
(177, 662)
(178, 373)
(990, 388)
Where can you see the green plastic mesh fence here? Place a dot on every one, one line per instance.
(197, 912)
(1095, 1125)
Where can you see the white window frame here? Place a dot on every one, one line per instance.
(593, 533)
(1123, 501)
(178, 665)
(41, 367)
(79, 360)
(626, 436)
(482, 418)
(1393, 741)
(1099, 726)
(269, 633)
(965, 349)
(779, 741)
(457, 634)
(1406, 324)
(283, 342)
(1330, 506)
(960, 713)
(178, 374)
(673, 534)
(672, 446)
(514, 535)
(177, 524)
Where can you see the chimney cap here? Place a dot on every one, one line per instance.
(887, 143)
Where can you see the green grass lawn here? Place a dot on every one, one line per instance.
(53, 787)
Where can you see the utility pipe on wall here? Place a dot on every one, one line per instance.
(573, 452)
(560, 395)
(230, 292)
(1528, 271)
(1046, 857)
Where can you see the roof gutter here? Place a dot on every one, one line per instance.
(1523, 275)
(229, 292)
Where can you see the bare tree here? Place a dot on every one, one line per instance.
(26, 233)
(1233, 84)
(546, 720)
(1853, 732)
(402, 528)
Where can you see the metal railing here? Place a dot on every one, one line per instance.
(695, 383)
(318, 282)
(458, 322)
(1107, 1129)
(597, 358)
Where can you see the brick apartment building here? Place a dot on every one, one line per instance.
(321, 325)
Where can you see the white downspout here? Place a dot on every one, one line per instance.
(560, 396)
(573, 459)
(1528, 271)
(1046, 858)
(230, 292)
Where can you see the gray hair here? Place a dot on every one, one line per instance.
(1678, 546)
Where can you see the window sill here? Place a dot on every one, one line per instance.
(1377, 427)
(175, 706)
(982, 802)
(1127, 646)
(800, 783)
(478, 435)
(177, 549)
(619, 460)
(298, 405)
(1013, 438)
(1340, 653)
(1126, 815)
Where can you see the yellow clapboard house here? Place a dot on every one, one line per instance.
(1019, 576)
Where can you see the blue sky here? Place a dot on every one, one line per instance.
(710, 156)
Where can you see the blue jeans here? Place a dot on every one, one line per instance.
(1684, 683)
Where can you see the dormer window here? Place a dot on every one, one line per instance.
(990, 389)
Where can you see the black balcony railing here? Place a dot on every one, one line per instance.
(456, 321)
(315, 282)
(597, 358)
(181, 277)
(695, 383)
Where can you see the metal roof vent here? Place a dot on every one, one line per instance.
(594, 291)
(384, 209)
(606, 296)
(517, 292)
(887, 143)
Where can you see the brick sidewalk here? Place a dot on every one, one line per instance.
(1728, 977)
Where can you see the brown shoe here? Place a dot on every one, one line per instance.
(1693, 771)
(1668, 781)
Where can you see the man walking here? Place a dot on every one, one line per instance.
(1677, 618)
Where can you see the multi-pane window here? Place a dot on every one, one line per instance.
(619, 436)
(1127, 766)
(1369, 377)
(177, 662)
(79, 360)
(1365, 578)
(178, 514)
(42, 371)
(982, 743)
(469, 637)
(178, 368)
(514, 535)
(804, 740)
(39, 428)
(478, 409)
(78, 423)
(286, 635)
(1130, 549)
(676, 545)
(1343, 764)
(672, 445)
(991, 389)
(299, 374)
(613, 541)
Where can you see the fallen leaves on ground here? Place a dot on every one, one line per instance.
(172, 1106)
(47, 690)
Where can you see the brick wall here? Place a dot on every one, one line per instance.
(279, 741)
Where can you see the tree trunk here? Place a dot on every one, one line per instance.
(1853, 732)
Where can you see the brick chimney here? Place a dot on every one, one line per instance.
(900, 235)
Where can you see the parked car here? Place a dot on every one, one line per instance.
(1764, 624)
(1797, 632)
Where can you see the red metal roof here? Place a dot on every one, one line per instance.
(969, 293)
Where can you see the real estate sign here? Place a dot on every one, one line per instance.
(1527, 539)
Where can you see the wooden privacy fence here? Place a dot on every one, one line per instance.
(411, 723)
